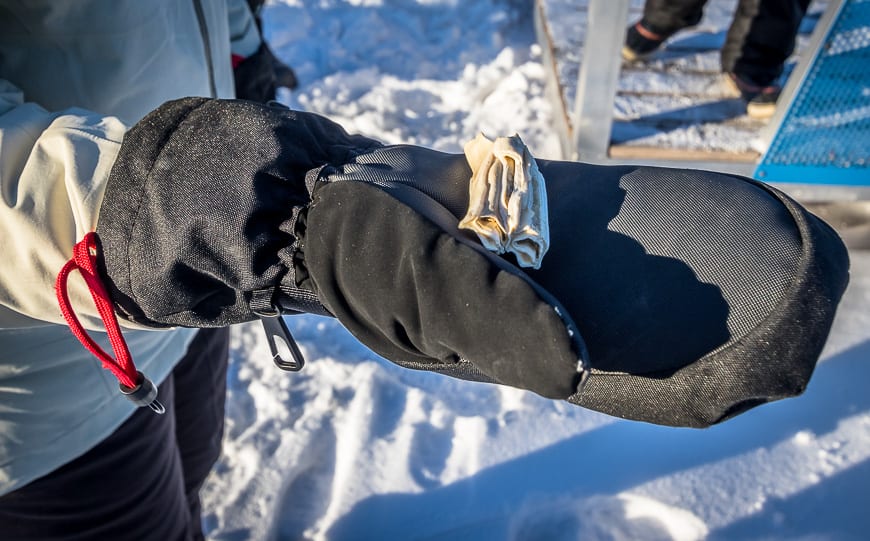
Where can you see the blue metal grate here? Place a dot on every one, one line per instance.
(824, 137)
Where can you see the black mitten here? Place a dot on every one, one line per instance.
(258, 76)
(206, 222)
(698, 295)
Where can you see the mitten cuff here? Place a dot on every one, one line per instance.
(201, 207)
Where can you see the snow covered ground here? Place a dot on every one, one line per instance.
(353, 447)
(674, 100)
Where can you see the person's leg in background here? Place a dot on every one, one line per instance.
(142, 482)
(661, 19)
(200, 396)
(761, 38)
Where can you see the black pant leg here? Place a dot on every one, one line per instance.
(761, 38)
(666, 17)
(200, 395)
(130, 486)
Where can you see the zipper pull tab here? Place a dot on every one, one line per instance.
(285, 352)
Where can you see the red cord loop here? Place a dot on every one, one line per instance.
(85, 261)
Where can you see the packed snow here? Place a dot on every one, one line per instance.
(354, 447)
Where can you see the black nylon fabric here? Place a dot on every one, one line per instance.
(774, 360)
(667, 265)
(441, 176)
(198, 211)
(414, 292)
(698, 295)
(675, 219)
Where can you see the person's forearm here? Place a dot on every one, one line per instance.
(54, 171)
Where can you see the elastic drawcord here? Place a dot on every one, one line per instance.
(133, 384)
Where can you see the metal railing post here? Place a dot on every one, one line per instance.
(599, 74)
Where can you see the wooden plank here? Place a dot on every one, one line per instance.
(628, 152)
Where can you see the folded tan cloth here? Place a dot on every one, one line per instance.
(507, 207)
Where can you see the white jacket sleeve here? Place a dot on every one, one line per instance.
(53, 171)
